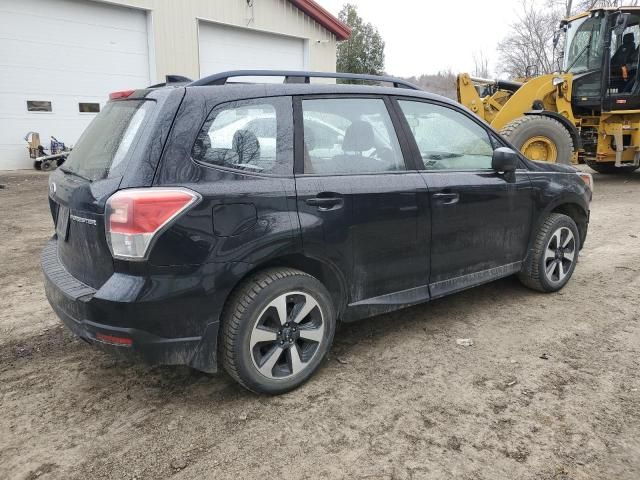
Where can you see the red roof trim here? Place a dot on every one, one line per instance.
(324, 18)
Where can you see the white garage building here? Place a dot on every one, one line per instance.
(59, 59)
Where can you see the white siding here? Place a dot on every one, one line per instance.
(65, 52)
(175, 30)
(231, 48)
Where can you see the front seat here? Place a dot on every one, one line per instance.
(626, 56)
(625, 51)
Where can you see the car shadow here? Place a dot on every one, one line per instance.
(99, 372)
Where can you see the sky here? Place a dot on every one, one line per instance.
(426, 36)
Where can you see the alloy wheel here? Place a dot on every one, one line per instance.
(559, 255)
(287, 335)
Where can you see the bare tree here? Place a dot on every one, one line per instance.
(442, 83)
(583, 5)
(528, 48)
(567, 7)
(571, 7)
(481, 65)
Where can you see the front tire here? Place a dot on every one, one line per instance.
(276, 329)
(553, 258)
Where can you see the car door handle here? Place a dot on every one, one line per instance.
(446, 198)
(325, 203)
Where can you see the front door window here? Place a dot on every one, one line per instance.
(446, 139)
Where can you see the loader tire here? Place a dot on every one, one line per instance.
(610, 167)
(540, 138)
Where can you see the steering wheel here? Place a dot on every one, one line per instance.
(382, 154)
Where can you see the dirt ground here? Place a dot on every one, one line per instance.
(549, 390)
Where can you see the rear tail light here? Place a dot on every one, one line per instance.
(135, 218)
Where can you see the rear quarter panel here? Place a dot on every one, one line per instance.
(242, 217)
(242, 221)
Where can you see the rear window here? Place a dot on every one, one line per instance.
(102, 149)
(249, 135)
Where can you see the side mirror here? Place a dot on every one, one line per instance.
(505, 160)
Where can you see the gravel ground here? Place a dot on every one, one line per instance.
(550, 388)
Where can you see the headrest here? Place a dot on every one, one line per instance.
(358, 137)
(246, 145)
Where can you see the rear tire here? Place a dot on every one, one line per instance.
(554, 256)
(542, 137)
(607, 168)
(276, 329)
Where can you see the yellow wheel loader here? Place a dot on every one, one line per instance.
(587, 113)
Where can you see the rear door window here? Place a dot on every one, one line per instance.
(251, 135)
(349, 135)
(103, 148)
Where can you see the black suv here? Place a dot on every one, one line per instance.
(213, 222)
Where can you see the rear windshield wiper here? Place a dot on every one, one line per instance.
(71, 172)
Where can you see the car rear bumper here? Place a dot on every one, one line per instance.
(115, 319)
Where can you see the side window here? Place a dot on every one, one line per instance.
(496, 141)
(252, 135)
(349, 135)
(624, 57)
(447, 139)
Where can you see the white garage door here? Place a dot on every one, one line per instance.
(61, 54)
(230, 48)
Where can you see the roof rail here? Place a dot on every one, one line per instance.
(294, 76)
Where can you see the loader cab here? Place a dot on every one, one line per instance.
(601, 51)
(623, 83)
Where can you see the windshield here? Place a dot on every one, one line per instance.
(584, 45)
(102, 149)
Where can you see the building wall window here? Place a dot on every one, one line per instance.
(38, 106)
(88, 107)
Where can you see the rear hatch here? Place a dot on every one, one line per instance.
(116, 144)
